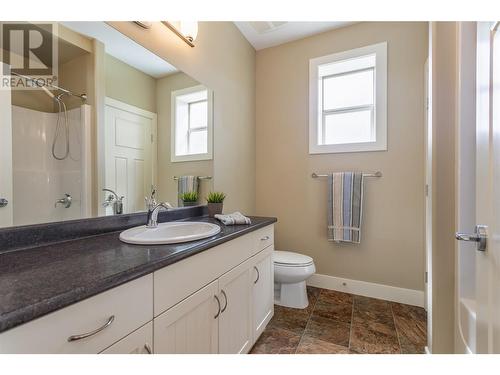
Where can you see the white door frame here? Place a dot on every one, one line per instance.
(465, 186)
(6, 183)
(101, 159)
(86, 126)
(428, 199)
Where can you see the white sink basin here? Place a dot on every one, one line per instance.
(171, 232)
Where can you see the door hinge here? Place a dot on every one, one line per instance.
(426, 190)
(426, 277)
(152, 138)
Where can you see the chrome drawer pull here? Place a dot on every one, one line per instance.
(225, 297)
(218, 303)
(92, 333)
(148, 348)
(258, 274)
(265, 238)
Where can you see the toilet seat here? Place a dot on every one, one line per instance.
(291, 259)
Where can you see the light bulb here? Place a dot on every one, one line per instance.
(189, 29)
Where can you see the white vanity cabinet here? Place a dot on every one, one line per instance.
(191, 326)
(230, 312)
(235, 320)
(86, 327)
(138, 342)
(262, 290)
(217, 301)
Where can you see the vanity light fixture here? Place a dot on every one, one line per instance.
(186, 30)
(144, 24)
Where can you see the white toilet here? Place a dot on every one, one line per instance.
(291, 270)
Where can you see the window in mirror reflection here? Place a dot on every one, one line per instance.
(192, 124)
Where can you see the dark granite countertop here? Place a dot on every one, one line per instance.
(37, 281)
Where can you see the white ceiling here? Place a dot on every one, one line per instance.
(269, 34)
(124, 49)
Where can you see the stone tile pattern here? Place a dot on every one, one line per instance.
(341, 323)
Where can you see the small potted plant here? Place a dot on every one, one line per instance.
(189, 198)
(215, 201)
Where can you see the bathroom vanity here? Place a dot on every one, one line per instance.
(97, 147)
(99, 295)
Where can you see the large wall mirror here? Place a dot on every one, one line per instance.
(116, 122)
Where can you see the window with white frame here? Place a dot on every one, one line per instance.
(191, 124)
(348, 101)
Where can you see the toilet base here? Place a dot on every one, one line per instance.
(291, 295)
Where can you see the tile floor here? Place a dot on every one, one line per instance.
(341, 323)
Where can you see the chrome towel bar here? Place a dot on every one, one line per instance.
(199, 177)
(376, 174)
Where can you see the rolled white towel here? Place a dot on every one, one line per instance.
(234, 218)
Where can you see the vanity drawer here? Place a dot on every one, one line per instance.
(125, 308)
(263, 238)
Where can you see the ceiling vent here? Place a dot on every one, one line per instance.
(262, 27)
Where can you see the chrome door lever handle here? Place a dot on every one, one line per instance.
(467, 237)
(480, 236)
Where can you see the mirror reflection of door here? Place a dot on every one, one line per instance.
(5, 157)
(130, 149)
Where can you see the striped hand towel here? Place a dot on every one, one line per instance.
(186, 184)
(345, 206)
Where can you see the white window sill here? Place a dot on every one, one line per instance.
(348, 147)
(191, 157)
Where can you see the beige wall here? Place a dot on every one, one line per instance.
(129, 85)
(167, 187)
(73, 76)
(224, 61)
(392, 248)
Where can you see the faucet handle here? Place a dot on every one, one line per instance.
(151, 200)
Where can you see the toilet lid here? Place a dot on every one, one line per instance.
(287, 258)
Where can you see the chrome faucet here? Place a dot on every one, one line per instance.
(66, 201)
(153, 213)
(115, 200)
(154, 208)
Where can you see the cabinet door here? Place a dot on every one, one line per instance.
(138, 342)
(235, 321)
(263, 290)
(191, 326)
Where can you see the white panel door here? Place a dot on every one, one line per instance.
(191, 326)
(235, 321)
(138, 342)
(262, 290)
(488, 186)
(130, 153)
(6, 218)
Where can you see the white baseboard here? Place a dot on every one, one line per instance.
(363, 288)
